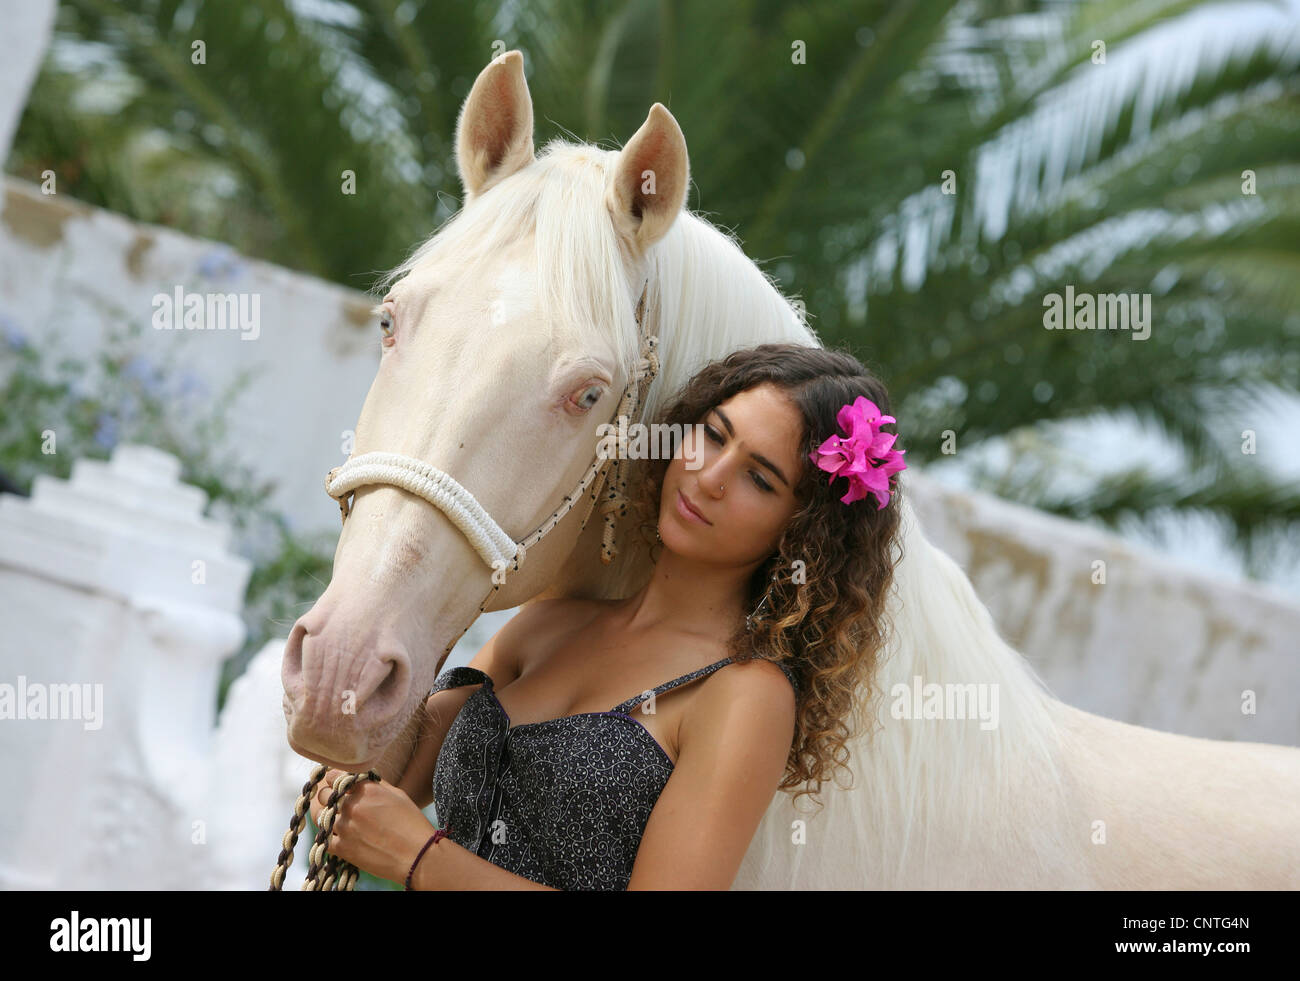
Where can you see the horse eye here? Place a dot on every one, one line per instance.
(590, 397)
(386, 323)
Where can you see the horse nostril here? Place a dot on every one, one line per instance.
(291, 666)
(394, 685)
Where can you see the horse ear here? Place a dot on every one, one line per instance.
(650, 180)
(494, 134)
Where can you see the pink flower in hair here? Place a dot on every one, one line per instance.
(865, 456)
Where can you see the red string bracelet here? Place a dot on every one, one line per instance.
(440, 833)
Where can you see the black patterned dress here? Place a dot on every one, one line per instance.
(563, 802)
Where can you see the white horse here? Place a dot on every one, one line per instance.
(513, 338)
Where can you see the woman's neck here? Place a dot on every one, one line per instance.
(695, 597)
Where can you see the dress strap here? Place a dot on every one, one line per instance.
(626, 707)
(459, 676)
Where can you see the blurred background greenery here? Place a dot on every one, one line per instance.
(1124, 174)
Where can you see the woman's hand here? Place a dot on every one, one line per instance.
(378, 828)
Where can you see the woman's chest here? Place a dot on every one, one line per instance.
(590, 676)
(595, 774)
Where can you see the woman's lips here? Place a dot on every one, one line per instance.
(684, 509)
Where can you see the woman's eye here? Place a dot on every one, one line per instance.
(716, 437)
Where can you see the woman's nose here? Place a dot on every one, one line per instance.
(713, 476)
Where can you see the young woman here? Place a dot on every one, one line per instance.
(636, 744)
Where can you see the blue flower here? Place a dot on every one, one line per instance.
(106, 434)
(191, 384)
(219, 264)
(15, 339)
(141, 369)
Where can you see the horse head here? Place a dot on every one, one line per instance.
(508, 338)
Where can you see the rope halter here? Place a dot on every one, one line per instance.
(493, 544)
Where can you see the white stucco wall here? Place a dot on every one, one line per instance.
(62, 264)
(1156, 644)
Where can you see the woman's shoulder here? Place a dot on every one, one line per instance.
(753, 700)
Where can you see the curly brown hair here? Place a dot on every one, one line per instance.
(825, 619)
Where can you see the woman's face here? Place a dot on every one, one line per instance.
(744, 488)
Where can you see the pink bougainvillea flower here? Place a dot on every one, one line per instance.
(864, 455)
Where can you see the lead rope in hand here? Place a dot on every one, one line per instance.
(321, 875)
(325, 872)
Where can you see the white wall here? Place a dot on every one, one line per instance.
(62, 263)
(1156, 645)
(115, 584)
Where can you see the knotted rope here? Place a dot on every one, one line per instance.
(616, 499)
(322, 868)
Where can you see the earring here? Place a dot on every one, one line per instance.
(749, 620)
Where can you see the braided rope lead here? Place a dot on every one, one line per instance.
(325, 872)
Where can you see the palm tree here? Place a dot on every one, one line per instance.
(921, 174)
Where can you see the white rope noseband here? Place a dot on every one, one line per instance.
(498, 549)
(437, 487)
